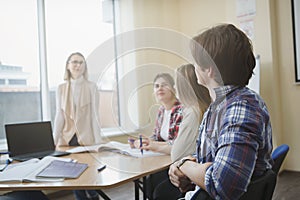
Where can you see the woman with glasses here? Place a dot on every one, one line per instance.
(77, 112)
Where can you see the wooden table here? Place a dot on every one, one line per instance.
(119, 169)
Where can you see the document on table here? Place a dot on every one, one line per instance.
(26, 171)
(114, 146)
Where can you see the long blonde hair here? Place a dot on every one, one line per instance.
(190, 93)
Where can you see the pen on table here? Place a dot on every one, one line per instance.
(102, 167)
(141, 143)
(7, 162)
(4, 152)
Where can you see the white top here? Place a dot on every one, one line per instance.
(185, 143)
(164, 130)
(75, 88)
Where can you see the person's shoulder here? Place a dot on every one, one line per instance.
(247, 97)
(190, 109)
(177, 108)
(251, 95)
(191, 112)
(62, 85)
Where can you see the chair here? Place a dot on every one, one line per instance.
(278, 156)
(261, 188)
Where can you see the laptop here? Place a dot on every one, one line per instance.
(31, 140)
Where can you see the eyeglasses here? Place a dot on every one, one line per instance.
(163, 85)
(75, 62)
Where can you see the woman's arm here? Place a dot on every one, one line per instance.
(152, 145)
(95, 100)
(185, 143)
(157, 146)
(59, 120)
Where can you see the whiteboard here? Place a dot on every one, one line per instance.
(254, 82)
(296, 31)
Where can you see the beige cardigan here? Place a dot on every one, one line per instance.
(185, 143)
(82, 120)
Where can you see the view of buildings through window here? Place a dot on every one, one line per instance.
(71, 26)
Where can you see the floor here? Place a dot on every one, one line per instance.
(287, 188)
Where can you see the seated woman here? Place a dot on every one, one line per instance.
(168, 119)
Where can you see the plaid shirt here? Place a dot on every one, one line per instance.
(237, 137)
(175, 120)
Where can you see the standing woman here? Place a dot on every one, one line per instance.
(77, 100)
(77, 113)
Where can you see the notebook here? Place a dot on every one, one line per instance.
(30, 140)
(62, 169)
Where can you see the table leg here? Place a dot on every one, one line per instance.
(137, 189)
(140, 185)
(144, 188)
(103, 195)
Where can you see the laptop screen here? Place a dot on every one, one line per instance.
(29, 138)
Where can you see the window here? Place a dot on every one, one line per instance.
(71, 26)
(19, 68)
(17, 81)
(80, 26)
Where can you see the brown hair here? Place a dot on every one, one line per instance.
(67, 75)
(189, 91)
(227, 48)
(167, 77)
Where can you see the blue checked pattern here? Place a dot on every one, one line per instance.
(237, 137)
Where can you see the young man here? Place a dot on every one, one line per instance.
(235, 135)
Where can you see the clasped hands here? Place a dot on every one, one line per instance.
(178, 178)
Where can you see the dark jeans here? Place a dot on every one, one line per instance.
(159, 187)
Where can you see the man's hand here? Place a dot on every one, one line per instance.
(178, 179)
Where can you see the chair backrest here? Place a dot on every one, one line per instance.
(278, 156)
(261, 188)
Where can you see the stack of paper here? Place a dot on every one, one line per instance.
(27, 171)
